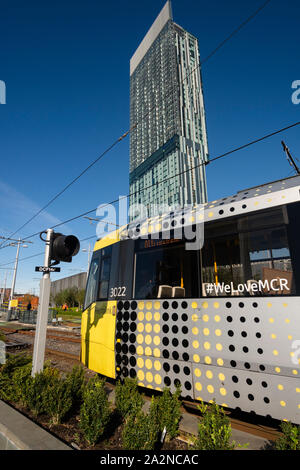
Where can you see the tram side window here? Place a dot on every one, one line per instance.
(92, 284)
(165, 272)
(248, 262)
(104, 273)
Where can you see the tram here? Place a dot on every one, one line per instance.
(220, 317)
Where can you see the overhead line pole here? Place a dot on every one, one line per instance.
(42, 316)
(290, 158)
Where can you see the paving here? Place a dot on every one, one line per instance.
(19, 433)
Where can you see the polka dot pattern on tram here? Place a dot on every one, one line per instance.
(223, 349)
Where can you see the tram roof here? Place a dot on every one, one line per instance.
(260, 197)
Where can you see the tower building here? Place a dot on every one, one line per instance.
(167, 118)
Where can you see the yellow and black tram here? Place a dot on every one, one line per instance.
(218, 313)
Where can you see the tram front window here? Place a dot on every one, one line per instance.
(92, 284)
(165, 271)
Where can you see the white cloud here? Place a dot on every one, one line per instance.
(19, 208)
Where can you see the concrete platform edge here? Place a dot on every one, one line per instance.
(20, 433)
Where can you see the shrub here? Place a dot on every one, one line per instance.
(7, 386)
(128, 400)
(57, 397)
(290, 440)
(35, 389)
(214, 430)
(95, 411)
(141, 431)
(76, 383)
(168, 411)
(19, 381)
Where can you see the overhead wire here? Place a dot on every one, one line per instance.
(223, 155)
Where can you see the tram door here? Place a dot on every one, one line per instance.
(98, 333)
(99, 318)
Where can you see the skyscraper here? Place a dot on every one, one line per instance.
(167, 118)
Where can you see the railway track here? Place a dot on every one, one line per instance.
(50, 335)
(268, 432)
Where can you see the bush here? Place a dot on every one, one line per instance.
(95, 411)
(214, 430)
(7, 370)
(57, 398)
(128, 400)
(168, 411)
(141, 431)
(76, 383)
(20, 377)
(290, 440)
(36, 389)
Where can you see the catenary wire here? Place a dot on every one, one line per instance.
(223, 155)
(42, 253)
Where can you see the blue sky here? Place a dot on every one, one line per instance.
(66, 68)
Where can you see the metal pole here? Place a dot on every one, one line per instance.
(89, 257)
(290, 158)
(15, 273)
(42, 316)
(4, 289)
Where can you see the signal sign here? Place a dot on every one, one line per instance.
(45, 269)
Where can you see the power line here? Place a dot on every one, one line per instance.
(223, 155)
(39, 254)
(23, 259)
(235, 31)
(142, 119)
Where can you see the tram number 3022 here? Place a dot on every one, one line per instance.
(118, 291)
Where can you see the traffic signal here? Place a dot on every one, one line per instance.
(63, 247)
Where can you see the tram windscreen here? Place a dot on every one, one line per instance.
(92, 284)
(168, 271)
(251, 257)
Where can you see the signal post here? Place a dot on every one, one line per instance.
(42, 316)
(58, 248)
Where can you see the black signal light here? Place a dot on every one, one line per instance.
(63, 247)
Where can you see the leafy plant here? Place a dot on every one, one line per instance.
(20, 377)
(290, 440)
(7, 386)
(95, 411)
(72, 296)
(57, 398)
(168, 411)
(141, 431)
(128, 400)
(36, 389)
(214, 430)
(75, 381)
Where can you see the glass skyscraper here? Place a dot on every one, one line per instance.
(167, 118)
